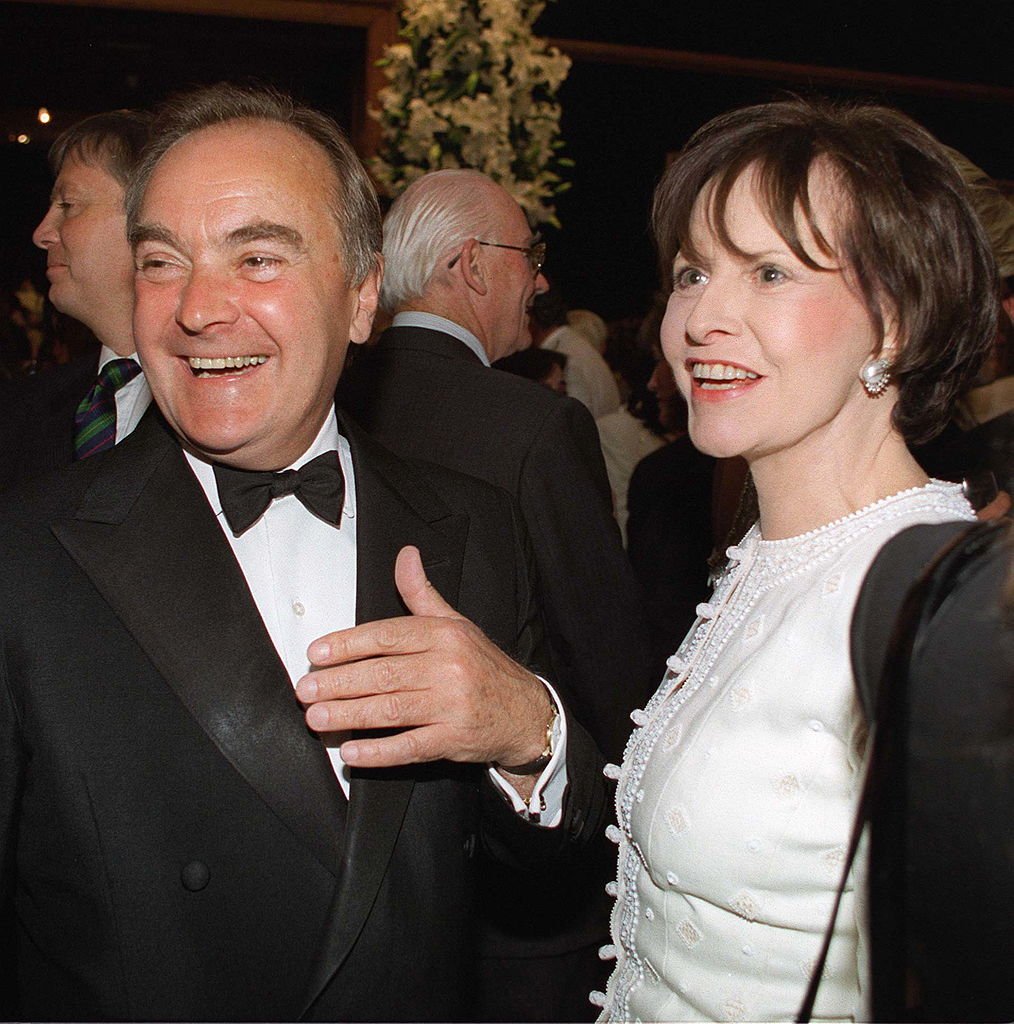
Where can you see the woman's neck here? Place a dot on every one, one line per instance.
(800, 491)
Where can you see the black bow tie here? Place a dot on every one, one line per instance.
(245, 494)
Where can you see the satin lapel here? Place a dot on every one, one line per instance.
(395, 507)
(148, 540)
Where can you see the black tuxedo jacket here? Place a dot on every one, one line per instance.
(37, 425)
(425, 395)
(174, 842)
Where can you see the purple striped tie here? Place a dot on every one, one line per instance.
(95, 419)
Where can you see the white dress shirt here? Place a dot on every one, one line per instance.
(301, 596)
(132, 400)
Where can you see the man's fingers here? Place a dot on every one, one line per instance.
(413, 746)
(380, 639)
(405, 709)
(419, 595)
(406, 635)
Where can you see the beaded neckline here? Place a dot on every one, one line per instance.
(776, 560)
(947, 492)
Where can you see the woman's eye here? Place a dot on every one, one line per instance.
(688, 277)
(770, 275)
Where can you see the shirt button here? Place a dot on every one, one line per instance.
(816, 725)
(649, 913)
(298, 608)
(748, 950)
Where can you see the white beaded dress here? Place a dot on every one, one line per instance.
(738, 787)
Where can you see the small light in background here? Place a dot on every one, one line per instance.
(44, 116)
(24, 138)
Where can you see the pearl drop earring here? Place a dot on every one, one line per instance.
(875, 375)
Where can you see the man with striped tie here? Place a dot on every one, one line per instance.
(89, 404)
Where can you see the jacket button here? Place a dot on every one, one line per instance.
(195, 876)
(470, 846)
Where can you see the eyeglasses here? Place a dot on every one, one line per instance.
(534, 253)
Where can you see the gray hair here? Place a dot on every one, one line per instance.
(432, 218)
(352, 198)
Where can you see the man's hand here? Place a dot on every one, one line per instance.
(996, 509)
(433, 676)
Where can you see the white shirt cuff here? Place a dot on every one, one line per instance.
(545, 807)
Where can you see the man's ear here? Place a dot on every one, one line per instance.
(473, 270)
(366, 297)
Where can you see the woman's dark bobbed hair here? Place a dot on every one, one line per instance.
(905, 232)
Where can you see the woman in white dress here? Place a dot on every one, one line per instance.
(832, 293)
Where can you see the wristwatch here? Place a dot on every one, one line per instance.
(538, 765)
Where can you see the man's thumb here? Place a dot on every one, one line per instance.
(419, 595)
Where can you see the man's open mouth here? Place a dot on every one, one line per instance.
(202, 366)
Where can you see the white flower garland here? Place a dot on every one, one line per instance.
(471, 86)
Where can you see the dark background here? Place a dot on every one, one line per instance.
(620, 121)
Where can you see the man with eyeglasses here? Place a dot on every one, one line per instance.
(462, 268)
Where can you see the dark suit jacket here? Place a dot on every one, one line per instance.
(425, 395)
(669, 539)
(174, 841)
(37, 425)
(942, 828)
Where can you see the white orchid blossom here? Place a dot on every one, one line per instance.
(469, 85)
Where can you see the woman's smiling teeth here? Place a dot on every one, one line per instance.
(712, 376)
(201, 365)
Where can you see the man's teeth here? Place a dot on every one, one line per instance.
(226, 362)
(718, 375)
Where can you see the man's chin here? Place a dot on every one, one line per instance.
(59, 299)
(245, 451)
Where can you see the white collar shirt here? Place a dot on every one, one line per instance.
(132, 400)
(301, 595)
